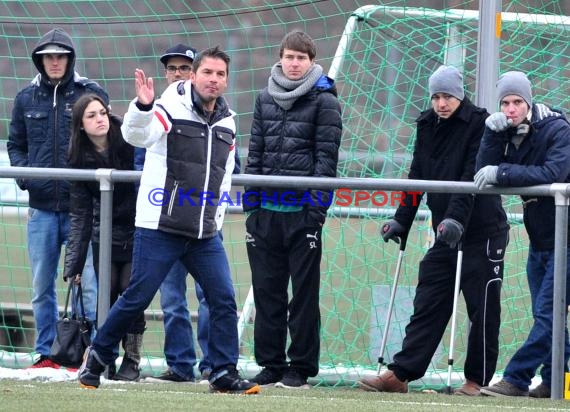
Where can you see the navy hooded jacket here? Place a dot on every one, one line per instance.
(543, 157)
(41, 125)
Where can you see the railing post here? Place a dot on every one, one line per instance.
(559, 308)
(105, 242)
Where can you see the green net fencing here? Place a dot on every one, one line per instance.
(381, 57)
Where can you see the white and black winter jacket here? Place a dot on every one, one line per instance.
(189, 161)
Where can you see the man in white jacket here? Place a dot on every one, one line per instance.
(189, 134)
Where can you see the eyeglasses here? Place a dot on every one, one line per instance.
(183, 69)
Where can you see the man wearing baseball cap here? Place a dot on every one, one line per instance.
(39, 137)
(526, 144)
(447, 139)
(177, 62)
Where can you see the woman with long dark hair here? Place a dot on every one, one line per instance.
(97, 142)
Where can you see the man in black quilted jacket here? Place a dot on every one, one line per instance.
(296, 131)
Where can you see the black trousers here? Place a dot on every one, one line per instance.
(481, 279)
(121, 265)
(281, 247)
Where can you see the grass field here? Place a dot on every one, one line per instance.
(67, 396)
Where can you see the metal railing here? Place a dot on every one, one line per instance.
(560, 192)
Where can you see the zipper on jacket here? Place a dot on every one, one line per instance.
(56, 146)
(281, 139)
(172, 198)
(209, 143)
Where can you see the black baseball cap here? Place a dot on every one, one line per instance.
(179, 50)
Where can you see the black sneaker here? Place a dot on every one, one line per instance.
(128, 371)
(89, 374)
(231, 382)
(293, 380)
(169, 376)
(267, 377)
(111, 371)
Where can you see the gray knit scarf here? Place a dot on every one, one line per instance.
(285, 91)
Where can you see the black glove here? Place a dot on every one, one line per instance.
(450, 232)
(392, 230)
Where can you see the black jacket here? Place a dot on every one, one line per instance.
(445, 149)
(301, 141)
(40, 126)
(85, 205)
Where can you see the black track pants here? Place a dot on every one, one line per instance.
(481, 279)
(282, 246)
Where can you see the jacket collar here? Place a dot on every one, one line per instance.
(463, 113)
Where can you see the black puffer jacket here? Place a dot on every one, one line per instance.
(446, 149)
(85, 205)
(301, 141)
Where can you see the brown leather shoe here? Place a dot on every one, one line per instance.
(469, 388)
(386, 382)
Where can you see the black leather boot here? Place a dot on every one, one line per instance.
(129, 369)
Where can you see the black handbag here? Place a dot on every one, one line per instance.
(73, 331)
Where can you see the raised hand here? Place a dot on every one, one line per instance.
(144, 87)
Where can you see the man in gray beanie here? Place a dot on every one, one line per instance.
(448, 136)
(526, 144)
(447, 80)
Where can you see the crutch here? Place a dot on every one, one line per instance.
(248, 308)
(454, 314)
(403, 240)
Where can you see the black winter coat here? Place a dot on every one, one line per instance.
(85, 205)
(301, 141)
(445, 149)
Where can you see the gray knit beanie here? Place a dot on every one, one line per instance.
(514, 83)
(447, 79)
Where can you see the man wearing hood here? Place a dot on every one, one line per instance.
(296, 131)
(528, 144)
(38, 137)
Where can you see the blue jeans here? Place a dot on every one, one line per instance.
(178, 340)
(203, 328)
(47, 232)
(154, 254)
(537, 349)
(89, 286)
